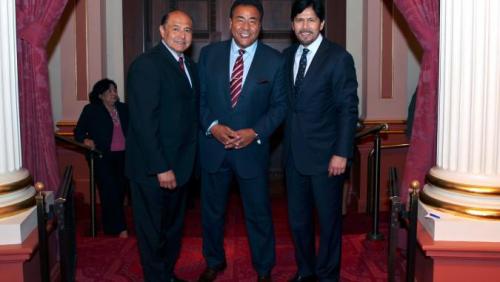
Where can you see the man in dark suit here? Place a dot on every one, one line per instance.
(161, 146)
(319, 134)
(242, 101)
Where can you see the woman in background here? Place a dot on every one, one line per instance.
(103, 125)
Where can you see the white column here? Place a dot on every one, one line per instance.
(469, 105)
(16, 191)
(10, 141)
(466, 178)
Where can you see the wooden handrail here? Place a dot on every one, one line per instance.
(371, 130)
(77, 144)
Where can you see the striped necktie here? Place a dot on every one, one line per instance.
(237, 78)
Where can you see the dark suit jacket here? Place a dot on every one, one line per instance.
(163, 117)
(322, 115)
(95, 123)
(261, 106)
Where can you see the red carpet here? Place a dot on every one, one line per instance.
(114, 259)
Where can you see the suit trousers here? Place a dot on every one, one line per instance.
(159, 220)
(257, 208)
(111, 183)
(304, 192)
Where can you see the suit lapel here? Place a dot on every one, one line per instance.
(316, 62)
(257, 61)
(174, 64)
(290, 78)
(191, 71)
(223, 69)
(291, 62)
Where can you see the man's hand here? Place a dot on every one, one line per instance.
(246, 136)
(167, 179)
(89, 143)
(337, 165)
(225, 135)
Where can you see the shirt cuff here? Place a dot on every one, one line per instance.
(257, 138)
(215, 122)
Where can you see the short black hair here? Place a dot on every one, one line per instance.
(99, 88)
(164, 18)
(300, 5)
(256, 3)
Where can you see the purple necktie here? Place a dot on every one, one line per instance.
(181, 64)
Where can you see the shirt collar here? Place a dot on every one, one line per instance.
(313, 47)
(172, 51)
(248, 50)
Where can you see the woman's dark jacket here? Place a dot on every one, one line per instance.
(95, 123)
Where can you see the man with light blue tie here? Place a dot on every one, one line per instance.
(242, 101)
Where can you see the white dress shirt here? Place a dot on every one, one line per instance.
(177, 56)
(313, 48)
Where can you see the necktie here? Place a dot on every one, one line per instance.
(237, 78)
(302, 68)
(181, 64)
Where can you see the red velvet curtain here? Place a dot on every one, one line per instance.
(423, 18)
(36, 20)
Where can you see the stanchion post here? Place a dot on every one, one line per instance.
(375, 234)
(42, 232)
(92, 196)
(412, 231)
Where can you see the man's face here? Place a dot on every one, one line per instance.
(177, 32)
(307, 26)
(245, 25)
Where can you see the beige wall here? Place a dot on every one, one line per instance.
(364, 40)
(354, 40)
(114, 44)
(103, 45)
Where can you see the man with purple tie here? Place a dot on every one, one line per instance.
(162, 90)
(242, 101)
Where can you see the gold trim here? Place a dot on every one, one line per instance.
(20, 184)
(377, 121)
(462, 188)
(459, 209)
(17, 208)
(66, 123)
(64, 133)
(395, 146)
(393, 131)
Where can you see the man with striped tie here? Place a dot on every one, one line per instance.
(242, 101)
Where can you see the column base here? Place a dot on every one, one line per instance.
(15, 229)
(455, 261)
(450, 227)
(21, 262)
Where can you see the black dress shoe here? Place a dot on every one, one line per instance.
(209, 274)
(265, 278)
(176, 279)
(298, 278)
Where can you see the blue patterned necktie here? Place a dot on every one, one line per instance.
(302, 68)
